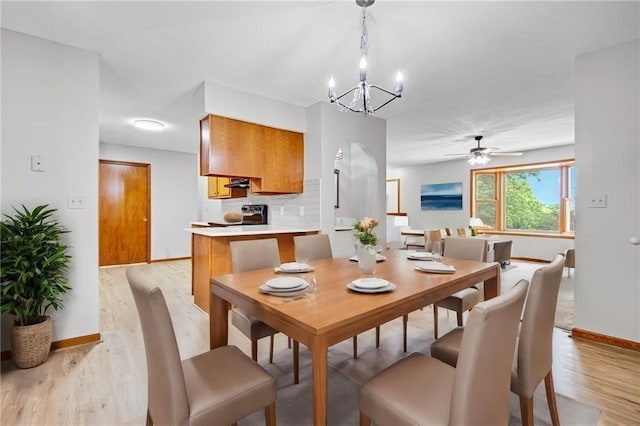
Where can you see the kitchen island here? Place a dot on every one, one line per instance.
(210, 253)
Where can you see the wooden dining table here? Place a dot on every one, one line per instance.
(334, 313)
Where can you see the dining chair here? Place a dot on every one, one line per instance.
(463, 300)
(502, 253)
(534, 358)
(247, 256)
(311, 247)
(318, 246)
(420, 389)
(462, 232)
(220, 386)
(569, 260)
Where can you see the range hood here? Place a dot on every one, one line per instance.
(238, 183)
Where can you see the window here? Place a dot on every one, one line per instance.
(532, 198)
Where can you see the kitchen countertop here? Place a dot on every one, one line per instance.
(229, 231)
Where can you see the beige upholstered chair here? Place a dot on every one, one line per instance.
(247, 256)
(423, 390)
(502, 253)
(534, 350)
(463, 300)
(569, 260)
(220, 386)
(310, 247)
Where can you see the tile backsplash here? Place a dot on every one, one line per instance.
(295, 210)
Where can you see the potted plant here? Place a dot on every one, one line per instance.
(33, 270)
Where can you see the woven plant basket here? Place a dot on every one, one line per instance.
(30, 344)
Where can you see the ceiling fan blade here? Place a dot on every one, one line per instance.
(458, 155)
(505, 154)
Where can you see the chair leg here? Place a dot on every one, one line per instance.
(270, 414)
(355, 347)
(551, 399)
(435, 321)
(296, 362)
(254, 350)
(459, 317)
(271, 349)
(405, 324)
(364, 419)
(377, 337)
(526, 411)
(149, 420)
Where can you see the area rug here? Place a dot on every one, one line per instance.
(294, 406)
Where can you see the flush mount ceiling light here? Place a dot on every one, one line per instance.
(148, 124)
(361, 101)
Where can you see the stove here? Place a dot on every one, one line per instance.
(252, 214)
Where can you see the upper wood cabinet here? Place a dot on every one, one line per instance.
(272, 158)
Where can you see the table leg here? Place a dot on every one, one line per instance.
(218, 322)
(319, 350)
(492, 285)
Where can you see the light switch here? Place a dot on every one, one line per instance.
(301, 210)
(598, 201)
(37, 163)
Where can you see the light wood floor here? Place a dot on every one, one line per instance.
(105, 383)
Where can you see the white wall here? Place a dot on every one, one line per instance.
(607, 298)
(411, 178)
(50, 107)
(174, 195)
(347, 129)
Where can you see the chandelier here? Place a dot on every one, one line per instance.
(361, 100)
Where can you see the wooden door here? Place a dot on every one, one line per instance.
(124, 192)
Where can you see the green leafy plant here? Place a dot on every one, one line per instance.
(34, 263)
(365, 233)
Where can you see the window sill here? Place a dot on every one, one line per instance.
(530, 234)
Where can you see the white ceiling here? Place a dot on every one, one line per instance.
(501, 69)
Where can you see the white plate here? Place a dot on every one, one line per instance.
(295, 267)
(379, 258)
(370, 283)
(285, 283)
(266, 289)
(420, 255)
(388, 287)
(436, 268)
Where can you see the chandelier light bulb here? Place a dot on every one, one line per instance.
(332, 89)
(399, 83)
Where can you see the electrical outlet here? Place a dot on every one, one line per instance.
(282, 211)
(75, 202)
(598, 201)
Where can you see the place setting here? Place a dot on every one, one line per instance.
(379, 258)
(435, 268)
(371, 285)
(294, 268)
(289, 287)
(420, 255)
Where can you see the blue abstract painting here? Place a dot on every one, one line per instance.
(441, 196)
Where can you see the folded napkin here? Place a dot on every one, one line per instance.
(379, 258)
(436, 267)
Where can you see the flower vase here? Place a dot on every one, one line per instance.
(367, 259)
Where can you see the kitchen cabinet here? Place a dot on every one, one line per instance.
(273, 159)
(217, 189)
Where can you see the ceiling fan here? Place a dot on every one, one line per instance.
(480, 155)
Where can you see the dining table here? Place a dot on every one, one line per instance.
(332, 312)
